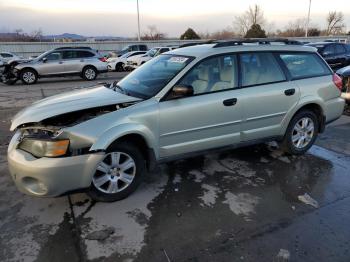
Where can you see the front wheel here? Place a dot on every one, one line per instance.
(118, 174)
(301, 133)
(89, 73)
(28, 76)
(119, 67)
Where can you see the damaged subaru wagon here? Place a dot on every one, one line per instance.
(181, 103)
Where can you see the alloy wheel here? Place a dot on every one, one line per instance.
(115, 173)
(303, 132)
(90, 74)
(29, 77)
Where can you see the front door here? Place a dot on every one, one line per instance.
(51, 65)
(211, 118)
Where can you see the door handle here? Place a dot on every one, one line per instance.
(60, 62)
(289, 92)
(230, 102)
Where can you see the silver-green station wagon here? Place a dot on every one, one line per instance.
(181, 103)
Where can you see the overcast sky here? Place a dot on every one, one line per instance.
(118, 17)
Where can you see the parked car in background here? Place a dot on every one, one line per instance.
(337, 55)
(136, 61)
(7, 56)
(131, 48)
(118, 63)
(63, 61)
(344, 73)
(179, 104)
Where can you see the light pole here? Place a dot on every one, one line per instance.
(308, 21)
(138, 21)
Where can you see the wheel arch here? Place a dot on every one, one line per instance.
(85, 66)
(314, 106)
(136, 134)
(31, 68)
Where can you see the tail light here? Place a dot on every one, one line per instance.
(338, 81)
(103, 59)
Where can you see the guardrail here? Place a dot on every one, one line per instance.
(27, 49)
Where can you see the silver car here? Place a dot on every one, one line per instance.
(62, 61)
(179, 104)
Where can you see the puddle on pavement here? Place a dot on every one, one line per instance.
(217, 197)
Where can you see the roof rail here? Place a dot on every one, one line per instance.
(73, 47)
(259, 41)
(197, 43)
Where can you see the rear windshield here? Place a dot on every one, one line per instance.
(305, 65)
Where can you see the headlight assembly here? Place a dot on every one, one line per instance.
(44, 148)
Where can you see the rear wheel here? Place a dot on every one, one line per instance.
(301, 133)
(28, 76)
(89, 73)
(118, 174)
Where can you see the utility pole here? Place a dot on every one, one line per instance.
(308, 21)
(138, 21)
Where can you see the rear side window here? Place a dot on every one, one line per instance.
(6, 55)
(260, 68)
(84, 54)
(304, 65)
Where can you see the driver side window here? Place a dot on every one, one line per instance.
(213, 74)
(54, 56)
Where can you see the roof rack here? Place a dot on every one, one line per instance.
(73, 47)
(259, 41)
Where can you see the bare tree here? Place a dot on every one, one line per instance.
(335, 23)
(226, 33)
(295, 28)
(254, 15)
(153, 34)
(37, 34)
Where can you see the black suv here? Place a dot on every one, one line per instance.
(337, 55)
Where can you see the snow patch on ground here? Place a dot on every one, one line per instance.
(210, 195)
(242, 204)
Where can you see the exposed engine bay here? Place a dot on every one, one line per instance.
(8, 72)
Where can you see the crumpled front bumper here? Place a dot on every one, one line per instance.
(50, 177)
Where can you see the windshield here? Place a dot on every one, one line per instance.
(153, 76)
(43, 54)
(152, 52)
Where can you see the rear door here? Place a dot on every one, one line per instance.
(266, 95)
(340, 59)
(75, 60)
(329, 55)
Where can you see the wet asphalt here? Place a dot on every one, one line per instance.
(248, 204)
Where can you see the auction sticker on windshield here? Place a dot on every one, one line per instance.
(178, 59)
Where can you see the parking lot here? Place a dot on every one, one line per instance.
(248, 204)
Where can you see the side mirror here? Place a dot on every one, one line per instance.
(182, 91)
(44, 60)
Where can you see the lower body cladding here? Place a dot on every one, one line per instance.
(51, 177)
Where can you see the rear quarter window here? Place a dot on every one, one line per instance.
(85, 54)
(305, 65)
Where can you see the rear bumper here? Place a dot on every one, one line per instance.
(334, 109)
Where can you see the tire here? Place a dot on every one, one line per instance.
(107, 191)
(89, 73)
(28, 76)
(303, 130)
(119, 67)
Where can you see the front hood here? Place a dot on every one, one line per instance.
(69, 102)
